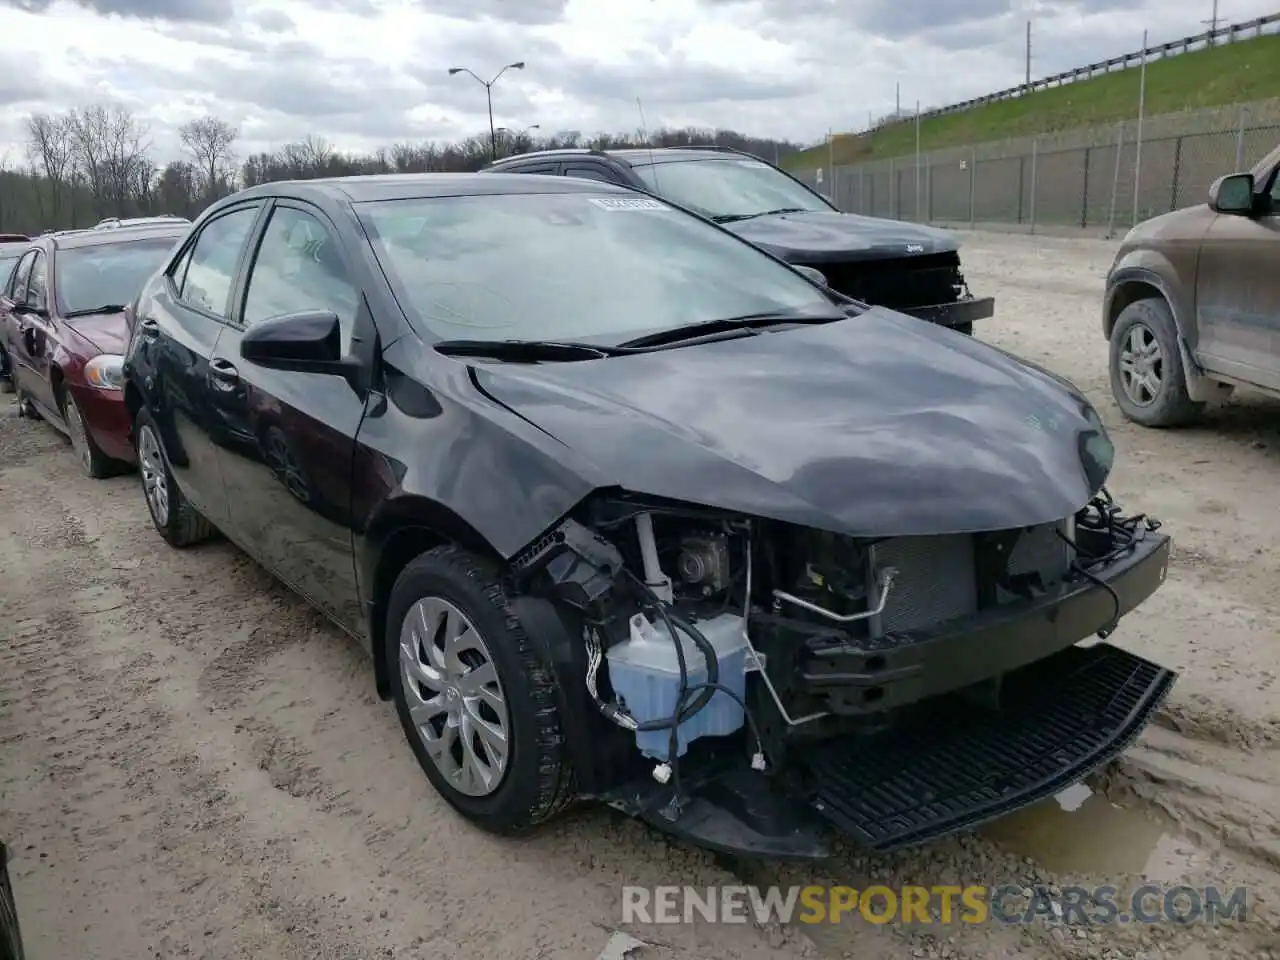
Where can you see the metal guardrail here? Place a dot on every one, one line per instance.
(1199, 41)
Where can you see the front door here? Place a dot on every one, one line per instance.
(35, 340)
(289, 486)
(178, 329)
(1238, 293)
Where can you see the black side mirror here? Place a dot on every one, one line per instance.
(305, 342)
(1233, 194)
(813, 273)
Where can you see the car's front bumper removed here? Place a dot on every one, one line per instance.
(947, 764)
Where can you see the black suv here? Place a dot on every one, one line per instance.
(907, 267)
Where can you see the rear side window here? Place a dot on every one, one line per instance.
(211, 268)
(592, 172)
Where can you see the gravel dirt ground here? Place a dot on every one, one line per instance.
(192, 763)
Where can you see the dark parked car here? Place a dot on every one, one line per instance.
(910, 267)
(12, 246)
(517, 434)
(1192, 308)
(63, 330)
(10, 931)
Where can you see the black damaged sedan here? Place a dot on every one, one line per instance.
(625, 509)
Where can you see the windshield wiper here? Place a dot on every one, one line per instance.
(735, 217)
(718, 329)
(527, 351)
(90, 311)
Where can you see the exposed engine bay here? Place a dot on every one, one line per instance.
(790, 638)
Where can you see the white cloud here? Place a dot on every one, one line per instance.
(362, 73)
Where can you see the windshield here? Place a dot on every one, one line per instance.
(570, 266)
(729, 187)
(107, 274)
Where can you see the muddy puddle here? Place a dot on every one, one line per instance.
(1082, 832)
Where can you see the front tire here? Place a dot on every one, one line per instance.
(1148, 380)
(172, 514)
(477, 703)
(93, 462)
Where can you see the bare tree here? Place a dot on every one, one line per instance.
(209, 141)
(51, 151)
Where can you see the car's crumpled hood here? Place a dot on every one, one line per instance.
(109, 332)
(819, 236)
(879, 425)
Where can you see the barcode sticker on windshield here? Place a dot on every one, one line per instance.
(628, 203)
(753, 164)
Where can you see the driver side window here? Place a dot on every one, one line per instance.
(37, 293)
(17, 291)
(299, 267)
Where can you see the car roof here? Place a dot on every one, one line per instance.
(405, 186)
(632, 155)
(97, 238)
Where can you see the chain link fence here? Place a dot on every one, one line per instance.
(1107, 184)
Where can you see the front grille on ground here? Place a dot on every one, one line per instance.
(1064, 717)
(920, 281)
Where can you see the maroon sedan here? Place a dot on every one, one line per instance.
(63, 330)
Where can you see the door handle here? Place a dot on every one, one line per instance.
(224, 374)
(148, 328)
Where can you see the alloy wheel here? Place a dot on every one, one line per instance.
(79, 434)
(1141, 366)
(455, 699)
(155, 482)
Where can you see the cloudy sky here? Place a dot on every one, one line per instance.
(366, 72)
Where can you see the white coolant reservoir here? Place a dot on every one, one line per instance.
(645, 675)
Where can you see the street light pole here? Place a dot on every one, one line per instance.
(488, 92)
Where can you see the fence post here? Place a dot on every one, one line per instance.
(893, 189)
(1177, 171)
(973, 187)
(1084, 189)
(1035, 150)
(928, 192)
(1240, 139)
(1115, 181)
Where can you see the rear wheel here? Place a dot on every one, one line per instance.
(1148, 380)
(174, 517)
(476, 701)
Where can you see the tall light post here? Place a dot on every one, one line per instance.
(488, 91)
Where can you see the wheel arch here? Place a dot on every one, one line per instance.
(1129, 288)
(404, 528)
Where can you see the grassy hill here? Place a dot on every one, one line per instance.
(1230, 73)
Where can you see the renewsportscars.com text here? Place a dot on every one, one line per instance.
(1011, 904)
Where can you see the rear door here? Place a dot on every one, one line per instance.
(14, 292)
(1238, 293)
(289, 484)
(178, 329)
